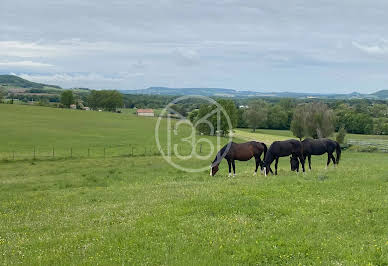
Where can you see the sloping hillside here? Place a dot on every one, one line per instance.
(18, 82)
(381, 94)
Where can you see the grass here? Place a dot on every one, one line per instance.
(262, 135)
(80, 133)
(140, 210)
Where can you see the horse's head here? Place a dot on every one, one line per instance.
(265, 167)
(261, 164)
(294, 162)
(213, 169)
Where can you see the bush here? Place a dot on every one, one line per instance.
(340, 137)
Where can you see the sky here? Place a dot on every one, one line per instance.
(297, 45)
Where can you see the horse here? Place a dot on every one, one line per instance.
(319, 147)
(241, 152)
(281, 149)
(294, 162)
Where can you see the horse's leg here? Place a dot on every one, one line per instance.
(332, 158)
(309, 158)
(257, 160)
(270, 169)
(234, 168)
(230, 169)
(302, 162)
(276, 165)
(328, 160)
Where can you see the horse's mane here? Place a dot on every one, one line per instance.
(220, 155)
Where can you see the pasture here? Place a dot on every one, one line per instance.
(140, 210)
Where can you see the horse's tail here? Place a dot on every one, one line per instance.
(265, 149)
(338, 151)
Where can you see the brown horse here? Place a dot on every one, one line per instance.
(241, 152)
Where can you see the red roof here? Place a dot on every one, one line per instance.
(144, 111)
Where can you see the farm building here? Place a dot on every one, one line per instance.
(145, 112)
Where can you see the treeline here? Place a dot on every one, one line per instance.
(318, 118)
(108, 100)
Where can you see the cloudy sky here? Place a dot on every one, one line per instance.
(277, 45)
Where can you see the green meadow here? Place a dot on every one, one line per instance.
(28, 130)
(125, 209)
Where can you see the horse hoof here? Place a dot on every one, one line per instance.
(255, 173)
(229, 175)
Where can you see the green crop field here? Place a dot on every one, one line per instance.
(140, 210)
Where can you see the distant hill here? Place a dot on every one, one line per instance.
(381, 94)
(15, 84)
(18, 82)
(222, 92)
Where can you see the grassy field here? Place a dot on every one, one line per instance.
(80, 133)
(140, 210)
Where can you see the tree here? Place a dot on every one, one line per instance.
(320, 120)
(313, 119)
(193, 115)
(380, 127)
(298, 122)
(354, 122)
(209, 126)
(277, 117)
(113, 100)
(108, 100)
(67, 98)
(231, 111)
(340, 137)
(241, 122)
(256, 115)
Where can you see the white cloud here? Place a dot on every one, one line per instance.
(26, 49)
(69, 78)
(62, 48)
(24, 64)
(372, 49)
(186, 57)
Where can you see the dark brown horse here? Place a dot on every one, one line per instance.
(240, 152)
(318, 147)
(281, 149)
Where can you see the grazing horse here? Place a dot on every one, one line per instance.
(241, 152)
(281, 149)
(318, 147)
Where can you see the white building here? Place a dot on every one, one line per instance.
(145, 112)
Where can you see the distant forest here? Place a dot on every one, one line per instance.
(361, 116)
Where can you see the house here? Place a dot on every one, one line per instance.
(145, 112)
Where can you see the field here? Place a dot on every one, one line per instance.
(139, 210)
(28, 130)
